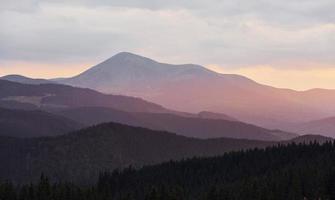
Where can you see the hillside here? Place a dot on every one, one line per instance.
(194, 88)
(71, 102)
(282, 172)
(54, 96)
(19, 123)
(213, 115)
(81, 155)
(25, 80)
(324, 127)
(207, 126)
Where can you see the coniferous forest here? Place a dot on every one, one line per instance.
(294, 171)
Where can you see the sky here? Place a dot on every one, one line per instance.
(283, 43)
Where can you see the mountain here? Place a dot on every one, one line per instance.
(311, 138)
(193, 88)
(288, 172)
(324, 127)
(55, 96)
(82, 154)
(190, 126)
(71, 101)
(213, 115)
(25, 80)
(19, 123)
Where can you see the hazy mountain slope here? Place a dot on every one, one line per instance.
(25, 80)
(19, 123)
(193, 88)
(81, 155)
(213, 115)
(53, 96)
(323, 127)
(311, 138)
(187, 126)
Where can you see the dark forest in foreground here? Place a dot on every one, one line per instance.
(281, 172)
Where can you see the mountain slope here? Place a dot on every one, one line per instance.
(190, 126)
(25, 80)
(323, 127)
(82, 154)
(19, 123)
(193, 88)
(213, 115)
(311, 138)
(54, 96)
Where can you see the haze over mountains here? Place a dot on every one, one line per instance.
(70, 131)
(190, 126)
(193, 88)
(21, 123)
(81, 155)
(53, 96)
(324, 127)
(88, 107)
(26, 80)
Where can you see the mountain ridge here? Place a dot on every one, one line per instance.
(189, 89)
(190, 126)
(35, 123)
(81, 155)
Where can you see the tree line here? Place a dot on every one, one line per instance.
(283, 172)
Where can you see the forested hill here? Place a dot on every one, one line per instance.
(290, 172)
(79, 156)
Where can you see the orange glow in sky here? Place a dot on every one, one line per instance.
(298, 79)
(43, 70)
(304, 79)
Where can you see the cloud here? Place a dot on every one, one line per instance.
(228, 33)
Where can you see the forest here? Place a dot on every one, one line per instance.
(293, 171)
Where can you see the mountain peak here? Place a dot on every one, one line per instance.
(127, 54)
(129, 58)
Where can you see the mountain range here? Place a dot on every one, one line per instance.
(134, 111)
(88, 107)
(81, 155)
(25, 80)
(190, 126)
(34, 123)
(194, 88)
(324, 127)
(55, 96)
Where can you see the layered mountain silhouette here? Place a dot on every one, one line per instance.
(89, 107)
(324, 126)
(81, 155)
(19, 123)
(213, 115)
(26, 80)
(54, 96)
(191, 126)
(194, 88)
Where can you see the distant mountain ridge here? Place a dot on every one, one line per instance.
(193, 88)
(81, 155)
(25, 80)
(324, 127)
(19, 123)
(57, 98)
(190, 126)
